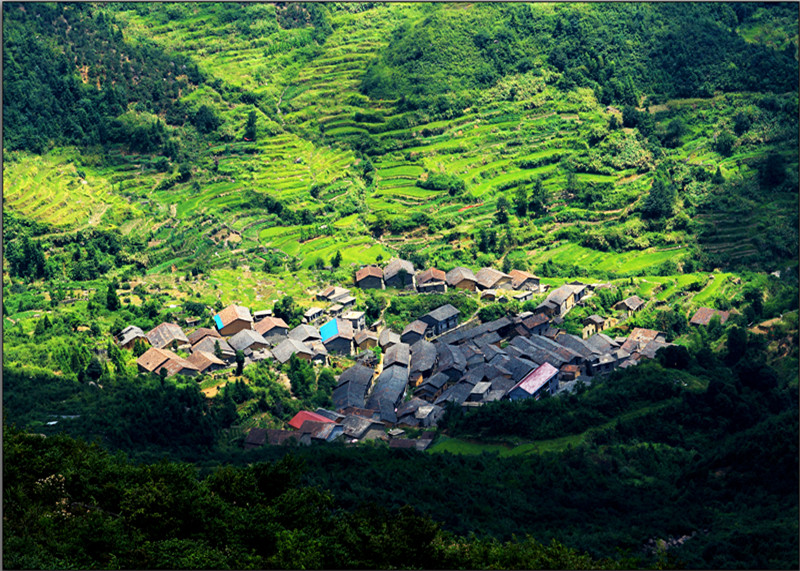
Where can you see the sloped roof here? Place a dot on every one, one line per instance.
(395, 265)
(416, 326)
(703, 316)
(164, 334)
(458, 393)
(423, 355)
(245, 339)
(231, 314)
(153, 358)
(203, 360)
(209, 343)
(431, 275)
(304, 332)
(202, 332)
(398, 354)
(268, 324)
(288, 347)
(518, 277)
(256, 437)
(459, 274)
(390, 386)
(130, 333)
(356, 426)
(336, 327)
(535, 320)
(450, 356)
(560, 294)
(443, 313)
(304, 415)
(367, 271)
(356, 374)
(363, 335)
(488, 277)
(536, 379)
(313, 311)
(332, 293)
(387, 337)
(594, 318)
(633, 303)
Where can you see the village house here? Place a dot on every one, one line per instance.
(356, 319)
(432, 287)
(579, 290)
(399, 273)
(431, 388)
(297, 420)
(703, 316)
(369, 277)
(523, 296)
(388, 338)
(128, 337)
(542, 379)
(233, 319)
(521, 280)
(256, 438)
(365, 339)
(247, 339)
(558, 302)
(201, 333)
(354, 383)
(321, 431)
(389, 387)
(347, 301)
(205, 362)
(312, 314)
(592, 324)
(305, 334)
(209, 344)
(154, 359)
(167, 335)
(399, 354)
(335, 310)
(272, 327)
(441, 319)
(333, 294)
(261, 314)
(489, 278)
(319, 353)
(630, 305)
(337, 336)
(431, 280)
(288, 347)
(413, 332)
(461, 278)
(423, 359)
(488, 295)
(357, 428)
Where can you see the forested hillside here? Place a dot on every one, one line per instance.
(162, 161)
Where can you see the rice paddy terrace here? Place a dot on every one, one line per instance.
(313, 120)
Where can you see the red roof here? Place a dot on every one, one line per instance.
(304, 415)
(536, 379)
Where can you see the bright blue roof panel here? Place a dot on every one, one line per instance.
(218, 321)
(330, 329)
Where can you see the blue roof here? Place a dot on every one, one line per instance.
(218, 321)
(330, 329)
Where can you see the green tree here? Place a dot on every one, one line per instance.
(724, 143)
(336, 259)
(658, 203)
(112, 301)
(538, 196)
(501, 215)
(217, 350)
(521, 200)
(250, 129)
(239, 362)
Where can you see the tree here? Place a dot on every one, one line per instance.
(112, 301)
(501, 215)
(250, 129)
(217, 350)
(538, 197)
(205, 119)
(239, 362)
(737, 344)
(336, 259)
(658, 203)
(724, 143)
(139, 348)
(521, 201)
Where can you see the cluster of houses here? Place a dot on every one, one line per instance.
(401, 274)
(434, 362)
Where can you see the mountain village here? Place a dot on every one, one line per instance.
(441, 357)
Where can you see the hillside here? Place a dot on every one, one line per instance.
(165, 161)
